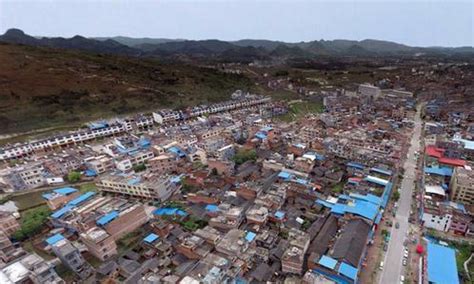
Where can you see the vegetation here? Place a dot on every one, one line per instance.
(90, 186)
(74, 176)
(32, 222)
(139, 168)
(192, 223)
(396, 195)
(338, 187)
(129, 241)
(463, 253)
(300, 109)
(244, 155)
(107, 85)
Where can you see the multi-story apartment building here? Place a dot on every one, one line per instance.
(462, 186)
(69, 255)
(146, 185)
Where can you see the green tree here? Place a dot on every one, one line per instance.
(139, 168)
(74, 176)
(32, 222)
(245, 155)
(396, 195)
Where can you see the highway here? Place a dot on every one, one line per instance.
(393, 267)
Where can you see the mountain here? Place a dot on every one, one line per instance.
(136, 42)
(245, 50)
(77, 42)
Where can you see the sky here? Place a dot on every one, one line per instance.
(412, 22)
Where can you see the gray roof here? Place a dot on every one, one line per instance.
(351, 244)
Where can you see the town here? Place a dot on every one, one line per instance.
(373, 185)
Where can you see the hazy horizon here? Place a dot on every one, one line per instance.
(421, 23)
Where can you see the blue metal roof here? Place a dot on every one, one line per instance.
(386, 194)
(381, 171)
(169, 211)
(440, 171)
(90, 173)
(54, 239)
(338, 209)
(441, 265)
(250, 236)
(107, 218)
(348, 270)
(177, 151)
(327, 262)
(65, 190)
(59, 213)
(81, 198)
(368, 197)
(355, 165)
(151, 238)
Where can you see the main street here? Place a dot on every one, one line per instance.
(393, 259)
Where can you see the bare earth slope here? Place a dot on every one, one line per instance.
(43, 87)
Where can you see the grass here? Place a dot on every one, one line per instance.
(26, 201)
(300, 109)
(88, 187)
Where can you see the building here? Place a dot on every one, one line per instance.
(99, 243)
(162, 164)
(69, 255)
(8, 223)
(30, 269)
(60, 196)
(293, 258)
(462, 185)
(146, 185)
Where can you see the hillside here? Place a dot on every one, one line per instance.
(43, 87)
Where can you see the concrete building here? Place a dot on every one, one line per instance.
(60, 196)
(99, 243)
(69, 255)
(147, 185)
(30, 269)
(8, 223)
(462, 186)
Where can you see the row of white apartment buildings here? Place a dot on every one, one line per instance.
(102, 129)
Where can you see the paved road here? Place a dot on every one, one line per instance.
(393, 259)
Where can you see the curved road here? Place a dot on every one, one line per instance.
(393, 267)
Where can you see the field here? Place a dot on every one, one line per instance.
(300, 109)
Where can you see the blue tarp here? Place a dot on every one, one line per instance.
(151, 238)
(59, 213)
(328, 262)
(355, 165)
(81, 198)
(250, 236)
(440, 171)
(177, 151)
(212, 208)
(168, 211)
(284, 175)
(54, 239)
(48, 196)
(261, 135)
(107, 218)
(348, 270)
(65, 190)
(90, 173)
(441, 265)
(134, 181)
(280, 215)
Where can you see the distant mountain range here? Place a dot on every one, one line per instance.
(245, 50)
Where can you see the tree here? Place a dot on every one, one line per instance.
(245, 155)
(74, 176)
(396, 196)
(32, 222)
(139, 168)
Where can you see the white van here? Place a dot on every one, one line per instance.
(381, 265)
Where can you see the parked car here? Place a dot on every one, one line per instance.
(397, 225)
(404, 262)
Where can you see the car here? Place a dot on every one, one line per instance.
(385, 247)
(397, 225)
(402, 279)
(404, 262)
(381, 265)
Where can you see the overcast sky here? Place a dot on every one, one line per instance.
(417, 23)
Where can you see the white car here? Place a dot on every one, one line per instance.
(402, 279)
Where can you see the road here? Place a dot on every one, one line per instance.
(393, 267)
